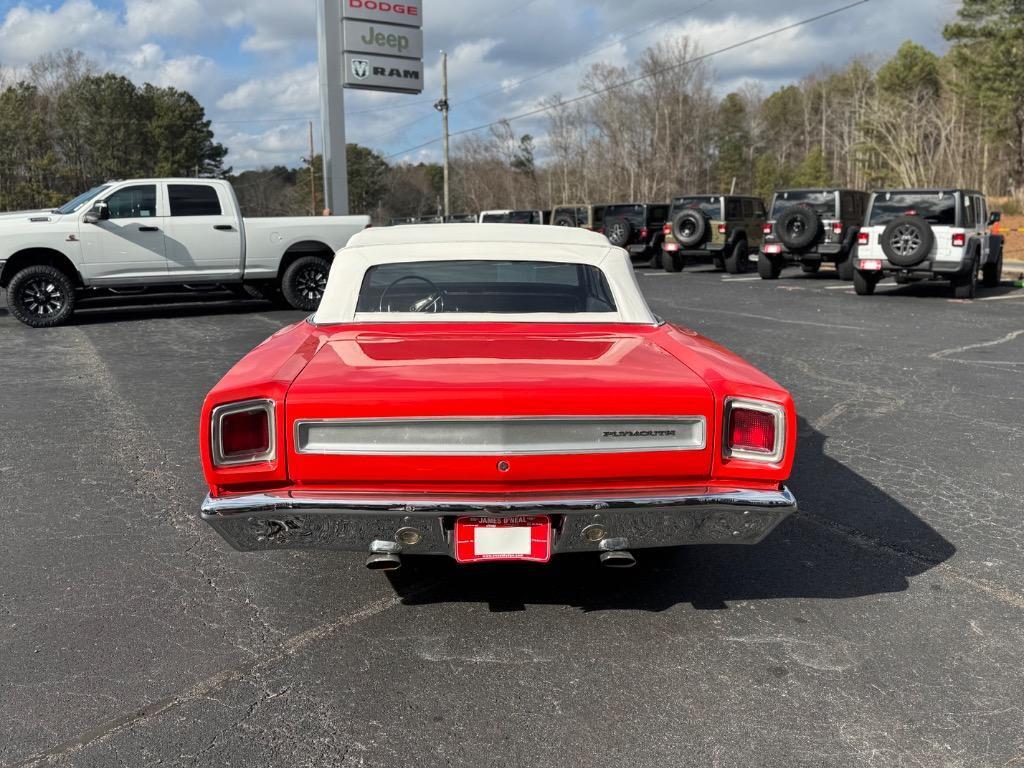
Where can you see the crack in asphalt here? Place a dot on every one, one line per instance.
(945, 354)
(217, 681)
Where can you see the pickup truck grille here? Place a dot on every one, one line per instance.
(500, 436)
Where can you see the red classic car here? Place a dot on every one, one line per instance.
(492, 392)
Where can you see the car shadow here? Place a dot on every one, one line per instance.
(850, 539)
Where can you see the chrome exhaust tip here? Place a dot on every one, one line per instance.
(383, 561)
(617, 559)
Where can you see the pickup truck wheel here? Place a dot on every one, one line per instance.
(672, 262)
(736, 261)
(304, 282)
(41, 296)
(864, 282)
(845, 266)
(768, 268)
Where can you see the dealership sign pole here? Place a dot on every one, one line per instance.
(373, 45)
(332, 107)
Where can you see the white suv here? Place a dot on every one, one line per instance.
(929, 234)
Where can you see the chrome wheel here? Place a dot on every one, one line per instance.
(311, 283)
(42, 297)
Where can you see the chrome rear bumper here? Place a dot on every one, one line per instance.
(290, 520)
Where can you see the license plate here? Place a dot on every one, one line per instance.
(483, 539)
(775, 248)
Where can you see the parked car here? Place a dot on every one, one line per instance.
(515, 217)
(929, 234)
(460, 218)
(725, 227)
(552, 412)
(584, 216)
(812, 226)
(638, 228)
(157, 233)
(403, 221)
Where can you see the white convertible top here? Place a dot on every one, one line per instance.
(480, 242)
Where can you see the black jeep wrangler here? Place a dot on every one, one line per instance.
(812, 226)
(637, 227)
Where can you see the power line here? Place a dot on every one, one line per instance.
(624, 83)
(513, 86)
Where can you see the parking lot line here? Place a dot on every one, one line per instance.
(739, 279)
(1019, 295)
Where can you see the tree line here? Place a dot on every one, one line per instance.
(64, 127)
(646, 132)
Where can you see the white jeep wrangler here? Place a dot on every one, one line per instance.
(929, 234)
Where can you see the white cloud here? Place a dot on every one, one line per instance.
(25, 33)
(296, 90)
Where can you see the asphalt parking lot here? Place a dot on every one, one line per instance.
(881, 626)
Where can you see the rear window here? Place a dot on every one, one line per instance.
(823, 203)
(711, 206)
(937, 208)
(193, 200)
(492, 218)
(657, 214)
(501, 287)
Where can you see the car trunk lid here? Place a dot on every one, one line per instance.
(506, 409)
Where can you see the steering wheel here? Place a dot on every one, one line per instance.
(432, 302)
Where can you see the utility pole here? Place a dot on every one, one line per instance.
(442, 107)
(312, 173)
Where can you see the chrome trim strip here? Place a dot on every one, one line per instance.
(424, 504)
(778, 450)
(216, 431)
(500, 435)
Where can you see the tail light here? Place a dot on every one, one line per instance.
(959, 239)
(754, 431)
(767, 229)
(667, 229)
(863, 238)
(244, 433)
(837, 227)
(644, 233)
(722, 229)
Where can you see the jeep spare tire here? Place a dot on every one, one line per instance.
(689, 228)
(907, 241)
(565, 220)
(617, 231)
(798, 227)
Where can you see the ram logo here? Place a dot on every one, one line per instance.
(360, 68)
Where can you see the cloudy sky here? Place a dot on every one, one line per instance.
(252, 63)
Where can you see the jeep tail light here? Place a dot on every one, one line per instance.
(959, 239)
(644, 233)
(667, 229)
(767, 229)
(244, 433)
(863, 238)
(837, 227)
(722, 229)
(754, 431)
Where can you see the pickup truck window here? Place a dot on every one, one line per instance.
(499, 287)
(193, 200)
(133, 202)
(73, 205)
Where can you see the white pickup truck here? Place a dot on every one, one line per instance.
(132, 236)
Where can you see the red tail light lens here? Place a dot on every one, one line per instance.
(767, 229)
(644, 233)
(754, 431)
(837, 227)
(863, 238)
(959, 240)
(722, 229)
(667, 229)
(243, 433)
